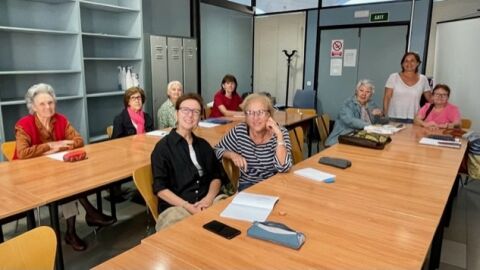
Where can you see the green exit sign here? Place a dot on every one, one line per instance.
(379, 17)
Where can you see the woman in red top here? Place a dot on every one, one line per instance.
(227, 101)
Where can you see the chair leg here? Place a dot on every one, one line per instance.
(466, 180)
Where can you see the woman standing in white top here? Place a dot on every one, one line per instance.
(404, 90)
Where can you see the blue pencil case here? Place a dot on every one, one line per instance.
(277, 233)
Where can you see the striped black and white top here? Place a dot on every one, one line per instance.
(262, 162)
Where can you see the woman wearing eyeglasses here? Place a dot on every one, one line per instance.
(132, 120)
(357, 111)
(259, 147)
(186, 174)
(440, 113)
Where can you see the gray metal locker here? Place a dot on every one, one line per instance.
(175, 59)
(190, 80)
(158, 50)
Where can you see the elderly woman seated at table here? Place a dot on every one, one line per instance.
(45, 132)
(259, 147)
(440, 113)
(132, 120)
(186, 174)
(357, 112)
(166, 113)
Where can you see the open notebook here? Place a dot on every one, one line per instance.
(250, 207)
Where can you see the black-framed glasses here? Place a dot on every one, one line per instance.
(259, 113)
(440, 95)
(186, 111)
(136, 98)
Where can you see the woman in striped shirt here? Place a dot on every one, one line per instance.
(259, 147)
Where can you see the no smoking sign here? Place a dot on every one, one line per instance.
(336, 48)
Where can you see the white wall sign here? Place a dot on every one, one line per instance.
(336, 48)
(336, 67)
(350, 58)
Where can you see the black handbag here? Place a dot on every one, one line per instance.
(365, 139)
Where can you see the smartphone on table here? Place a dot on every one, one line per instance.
(221, 229)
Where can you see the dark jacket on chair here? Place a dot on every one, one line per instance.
(122, 125)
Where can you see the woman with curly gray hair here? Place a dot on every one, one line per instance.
(45, 131)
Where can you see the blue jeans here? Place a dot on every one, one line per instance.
(244, 185)
(402, 120)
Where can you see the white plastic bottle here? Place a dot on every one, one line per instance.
(123, 76)
(128, 78)
(136, 83)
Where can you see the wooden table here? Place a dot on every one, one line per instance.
(382, 213)
(15, 202)
(144, 257)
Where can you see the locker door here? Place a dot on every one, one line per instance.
(381, 49)
(333, 90)
(175, 61)
(190, 81)
(158, 52)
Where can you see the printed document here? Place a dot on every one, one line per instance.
(250, 207)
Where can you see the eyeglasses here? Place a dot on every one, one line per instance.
(136, 98)
(259, 113)
(440, 95)
(187, 111)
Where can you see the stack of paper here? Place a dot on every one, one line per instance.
(384, 130)
(206, 124)
(160, 133)
(250, 207)
(316, 175)
(442, 143)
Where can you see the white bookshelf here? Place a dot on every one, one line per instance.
(75, 46)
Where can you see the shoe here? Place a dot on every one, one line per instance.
(101, 221)
(75, 241)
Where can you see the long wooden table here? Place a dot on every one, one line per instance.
(382, 213)
(53, 181)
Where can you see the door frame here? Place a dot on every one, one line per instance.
(346, 26)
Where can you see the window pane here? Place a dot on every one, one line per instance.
(269, 6)
(331, 3)
(242, 2)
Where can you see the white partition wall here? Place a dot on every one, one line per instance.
(457, 58)
(274, 33)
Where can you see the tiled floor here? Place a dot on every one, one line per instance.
(461, 245)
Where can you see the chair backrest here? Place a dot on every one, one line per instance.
(34, 249)
(326, 121)
(109, 131)
(466, 123)
(301, 110)
(8, 149)
(304, 99)
(207, 111)
(296, 140)
(232, 171)
(143, 179)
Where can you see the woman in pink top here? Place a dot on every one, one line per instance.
(439, 113)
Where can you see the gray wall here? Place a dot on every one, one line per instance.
(310, 49)
(398, 12)
(226, 47)
(166, 17)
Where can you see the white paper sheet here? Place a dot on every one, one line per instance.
(350, 58)
(207, 125)
(57, 156)
(335, 67)
(160, 133)
(250, 207)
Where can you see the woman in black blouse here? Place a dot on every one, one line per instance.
(186, 174)
(132, 120)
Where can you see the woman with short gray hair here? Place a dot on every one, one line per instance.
(357, 112)
(44, 131)
(166, 114)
